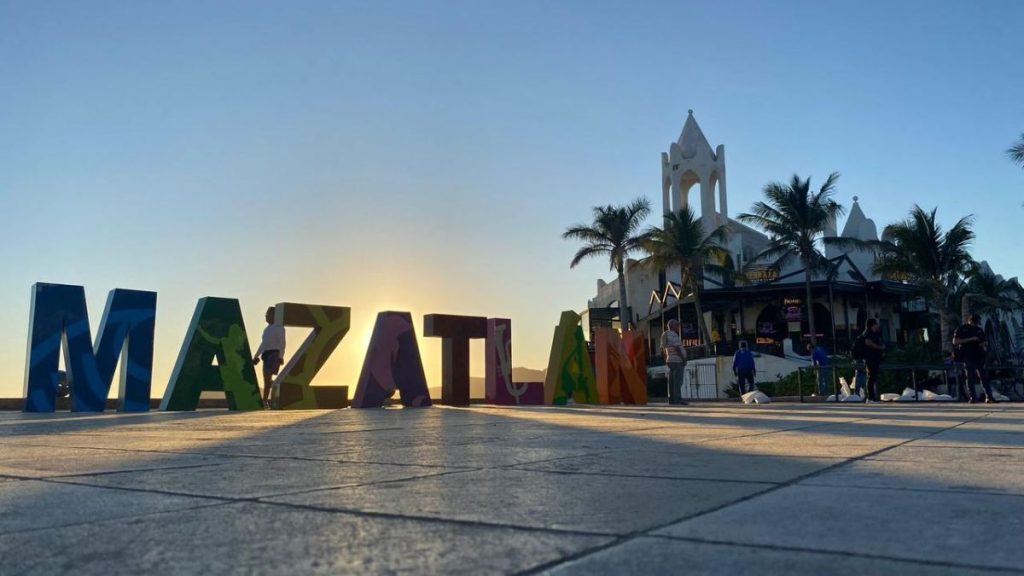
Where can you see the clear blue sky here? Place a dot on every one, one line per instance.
(426, 156)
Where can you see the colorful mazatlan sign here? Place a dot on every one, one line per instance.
(292, 387)
(570, 375)
(217, 332)
(215, 357)
(392, 363)
(498, 385)
(621, 366)
(455, 333)
(60, 319)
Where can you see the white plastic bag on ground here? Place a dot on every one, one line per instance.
(998, 397)
(933, 397)
(890, 397)
(756, 397)
(849, 398)
(908, 394)
(845, 395)
(845, 387)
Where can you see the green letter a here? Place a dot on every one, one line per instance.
(217, 331)
(570, 374)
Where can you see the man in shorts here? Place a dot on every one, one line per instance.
(271, 351)
(970, 343)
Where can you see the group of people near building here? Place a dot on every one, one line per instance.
(970, 347)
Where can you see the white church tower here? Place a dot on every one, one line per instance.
(691, 161)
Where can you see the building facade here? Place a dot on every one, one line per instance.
(769, 307)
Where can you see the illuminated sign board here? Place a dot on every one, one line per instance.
(792, 309)
(762, 275)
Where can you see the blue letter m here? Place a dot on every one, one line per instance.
(60, 319)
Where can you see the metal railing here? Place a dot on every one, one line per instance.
(700, 381)
(951, 378)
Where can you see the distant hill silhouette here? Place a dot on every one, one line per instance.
(476, 383)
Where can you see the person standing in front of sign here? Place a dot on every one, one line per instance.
(744, 369)
(271, 351)
(675, 358)
(970, 346)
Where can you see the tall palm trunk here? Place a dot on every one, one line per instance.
(697, 278)
(945, 333)
(705, 335)
(810, 307)
(623, 308)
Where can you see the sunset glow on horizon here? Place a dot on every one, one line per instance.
(426, 157)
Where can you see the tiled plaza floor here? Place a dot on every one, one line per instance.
(704, 489)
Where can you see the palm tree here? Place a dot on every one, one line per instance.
(1016, 152)
(613, 234)
(918, 250)
(992, 292)
(795, 218)
(682, 242)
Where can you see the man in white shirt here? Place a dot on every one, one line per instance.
(271, 351)
(675, 359)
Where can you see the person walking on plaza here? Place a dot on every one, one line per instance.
(969, 347)
(271, 351)
(744, 369)
(873, 352)
(675, 359)
(819, 359)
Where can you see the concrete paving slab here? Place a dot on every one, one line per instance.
(255, 478)
(695, 434)
(885, 428)
(554, 473)
(124, 442)
(978, 530)
(980, 438)
(524, 498)
(807, 444)
(983, 470)
(252, 538)
(42, 462)
(693, 464)
(32, 504)
(664, 556)
(919, 451)
(471, 456)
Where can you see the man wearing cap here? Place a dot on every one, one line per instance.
(970, 346)
(675, 359)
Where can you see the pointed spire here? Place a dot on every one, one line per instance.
(692, 140)
(858, 225)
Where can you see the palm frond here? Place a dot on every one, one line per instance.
(918, 249)
(612, 234)
(584, 233)
(589, 252)
(1016, 152)
(681, 241)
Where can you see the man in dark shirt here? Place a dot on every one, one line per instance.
(969, 347)
(819, 359)
(744, 368)
(873, 351)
